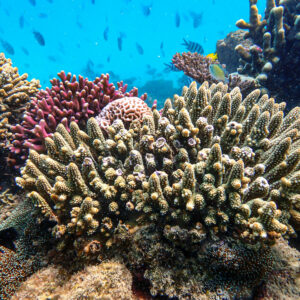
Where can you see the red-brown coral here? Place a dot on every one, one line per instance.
(12, 272)
(126, 109)
(69, 99)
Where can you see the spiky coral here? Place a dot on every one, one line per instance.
(273, 58)
(68, 100)
(15, 92)
(211, 163)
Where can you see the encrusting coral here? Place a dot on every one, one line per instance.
(273, 58)
(69, 99)
(212, 162)
(108, 280)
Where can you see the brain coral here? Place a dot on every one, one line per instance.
(68, 100)
(213, 163)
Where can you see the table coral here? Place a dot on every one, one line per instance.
(275, 53)
(213, 163)
(69, 99)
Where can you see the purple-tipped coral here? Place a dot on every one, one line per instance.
(69, 99)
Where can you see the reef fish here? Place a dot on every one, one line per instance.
(193, 46)
(40, 39)
(105, 33)
(21, 21)
(213, 56)
(146, 10)
(8, 47)
(25, 51)
(177, 20)
(120, 41)
(197, 19)
(218, 72)
(139, 48)
(32, 2)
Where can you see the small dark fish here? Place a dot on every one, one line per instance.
(193, 46)
(105, 33)
(40, 39)
(177, 20)
(93, 1)
(43, 15)
(108, 59)
(50, 1)
(52, 58)
(120, 41)
(32, 2)
(197, 19)
(25, 51)
(146, 10)
(170, 67)
(161, 45)
(139, 48)
(21, 21)
(8, 47)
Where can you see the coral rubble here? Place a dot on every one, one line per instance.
(69, 99)
(212, 168)
(273, 58)
(108, 280)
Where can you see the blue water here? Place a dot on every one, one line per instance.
(73, 31)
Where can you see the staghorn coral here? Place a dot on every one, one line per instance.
(126, 109)
(108, 280)
(275, 53)
(69, 99)
(196, 66)
(15, 92)
(212, 162)
(12, 272)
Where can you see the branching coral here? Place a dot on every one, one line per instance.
(196, 66)
(68, 100)
(15, 92)
(275, 53)
(212, 163)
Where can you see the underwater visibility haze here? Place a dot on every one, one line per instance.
(149, 149)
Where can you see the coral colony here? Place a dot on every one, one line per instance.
(122, 201)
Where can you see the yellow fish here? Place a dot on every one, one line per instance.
(218, 72)
(213, 56)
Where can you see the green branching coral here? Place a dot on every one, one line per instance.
(210, 164)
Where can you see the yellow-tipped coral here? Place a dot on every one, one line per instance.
(212, 160)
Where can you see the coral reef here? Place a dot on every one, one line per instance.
(108, 280)
(12, 272)
(276, 50)
(192, 198)
(226, 46)
(196, 66)
(69, 99)
(212, 162)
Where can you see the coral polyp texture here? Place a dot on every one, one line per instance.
(15, 93)
(69, 100)
(273, 58)
(212, 163)
(197, 67)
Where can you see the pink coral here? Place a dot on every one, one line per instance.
(126, 109)
(68, 100)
